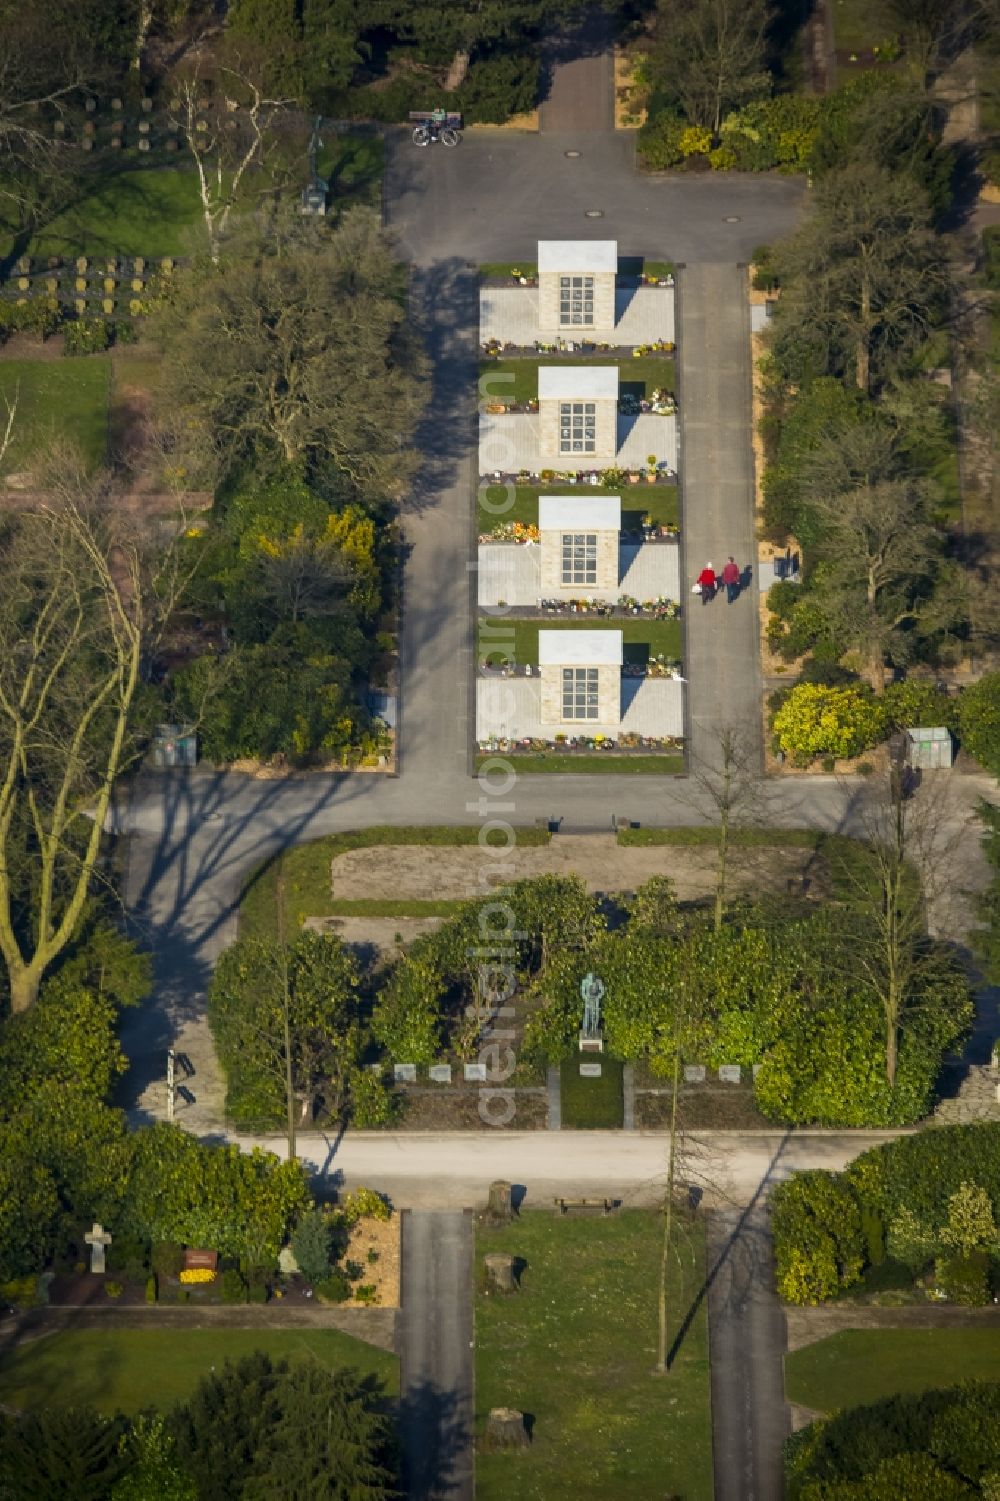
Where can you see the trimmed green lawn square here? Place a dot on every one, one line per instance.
(575, 1349)
(495, 505)
(65, 399)
(591, 1104)
(858, 1366)
(514, 379)
(125, 1370)
(641, 639)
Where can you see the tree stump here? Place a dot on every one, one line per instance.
(500, 1207)
(499, 1272)
(505, 1429)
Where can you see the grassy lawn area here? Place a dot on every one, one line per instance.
(806, 839)
(125, 1370)
(305, 872)
(858, 1366)
(591, 1104)
(495, 505)
(641, 639)
(517, 379)
(860, 25)
(67, 398)
(125, 208)
(575, 1348)
(600, 763)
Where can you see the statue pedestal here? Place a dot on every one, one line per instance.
(591, 1044)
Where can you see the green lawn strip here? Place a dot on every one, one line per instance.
(305, 871)
(64, 399)
(575, 1349)
(497, 504)
(591, 1104)
(125, 1370)
(748, 838)
(517, 379)
(628, 265)
(372, 907)
(641, 638)
(858, 1366)
(600, 762)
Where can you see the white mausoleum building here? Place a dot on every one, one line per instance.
(581, 554)
(578, 428)
(577, 298)
(578, 688)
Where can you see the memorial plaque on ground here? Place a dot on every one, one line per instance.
(200, 1261)
(590, 1070)
(404, 1073)
(729, 1073)
(694, 1073)
(475, 1073)
(440, 1073)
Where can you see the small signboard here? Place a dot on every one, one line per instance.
(200, 1261)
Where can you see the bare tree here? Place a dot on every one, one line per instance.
(727, 787)
(710, 55)
(82, 604)
(900, 886)
(227, 123)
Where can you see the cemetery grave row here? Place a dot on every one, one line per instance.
(89, 286)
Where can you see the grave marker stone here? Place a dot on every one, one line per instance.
(98, 1240)
(694, 1073)
(196, 1260)
(729, 1073)
(475, 1073)
(404, 1073)
(440, 1073)
(590, 1070)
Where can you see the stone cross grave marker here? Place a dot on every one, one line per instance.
(98, 1240)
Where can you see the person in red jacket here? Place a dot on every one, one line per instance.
(731, 579)
(706, 579)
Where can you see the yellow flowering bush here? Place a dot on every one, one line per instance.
(695, 141)
(196, 1275)
(818, 721)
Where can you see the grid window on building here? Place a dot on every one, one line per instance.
(576, 301)
(579, 557)
(579, 692)
(577, 427)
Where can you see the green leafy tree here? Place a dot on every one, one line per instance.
(312, 1245)
(979, 721)
(154, 1473)
(286, 1022)
(971, 1226)
(816, 1223)
(53, 1453)
(238, 1203)
(270, 1429)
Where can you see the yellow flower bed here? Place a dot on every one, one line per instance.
(196, 1275)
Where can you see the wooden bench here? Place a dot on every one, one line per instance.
(599, 1206)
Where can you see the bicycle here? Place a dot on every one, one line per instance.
(428, 135)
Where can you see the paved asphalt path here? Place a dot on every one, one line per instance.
(436, 1364)
(721, 654)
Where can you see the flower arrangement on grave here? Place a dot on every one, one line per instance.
(521, 532)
